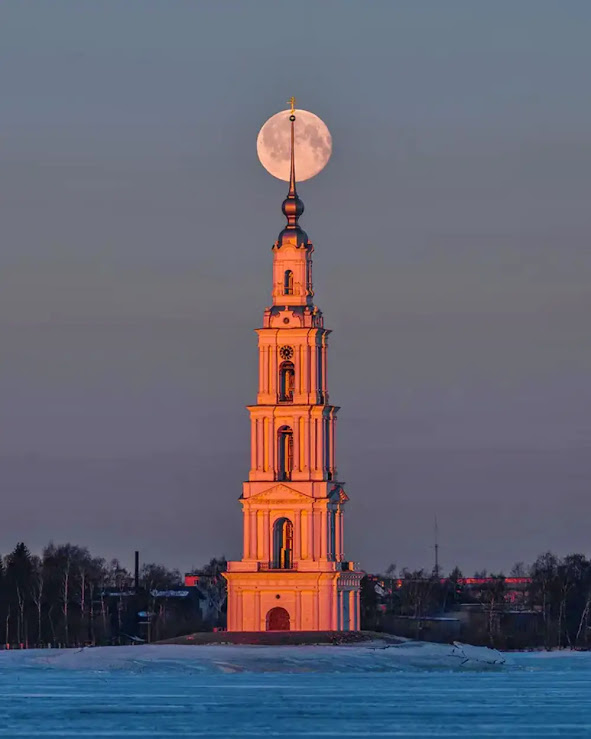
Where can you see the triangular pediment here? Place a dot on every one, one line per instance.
(281, 493)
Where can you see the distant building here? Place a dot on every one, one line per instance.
(516, 588)
(473, 609)
(211, 598)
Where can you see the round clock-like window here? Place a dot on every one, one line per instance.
(286, 352)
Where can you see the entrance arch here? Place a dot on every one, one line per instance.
(278, 619)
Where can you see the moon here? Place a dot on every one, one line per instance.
(313, 145)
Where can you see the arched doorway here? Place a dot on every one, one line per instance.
(278, 620)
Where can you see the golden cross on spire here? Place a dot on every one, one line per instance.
(291, 102)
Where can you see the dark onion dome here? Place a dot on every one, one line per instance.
(292, 208)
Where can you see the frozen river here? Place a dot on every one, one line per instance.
(222, 691)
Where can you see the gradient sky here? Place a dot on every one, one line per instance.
(453, 263)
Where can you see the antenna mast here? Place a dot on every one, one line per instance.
(436, 532)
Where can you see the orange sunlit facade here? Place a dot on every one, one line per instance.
(293, 574)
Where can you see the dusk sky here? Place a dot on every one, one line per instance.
(452, 261)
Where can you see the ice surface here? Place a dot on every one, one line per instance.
(410, 690)
(371, 657)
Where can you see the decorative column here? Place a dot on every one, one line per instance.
(324, 370)
(323, 533)
(273, 371)
(266, 364)
(246, 534)
(332, 462)
(298, 611)
(253, 534)
(257, 610)
(315, 612)
(297, 536)
(253, 445)
(302, 444)
(326, 466)
(313, 377)
(259, 423)
(315, 444)
(272, 448)
(260, 535)
(333, 534)
(334, 610)
(266, 461)
(238, 623)
(266, 535)
(261, 369)
(296, 444)
(303, 535)
(317, 534)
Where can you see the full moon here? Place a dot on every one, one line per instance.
(313, 145)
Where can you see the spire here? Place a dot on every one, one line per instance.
(292, 180)
(292, 206)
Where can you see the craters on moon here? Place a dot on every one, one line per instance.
(313, 145)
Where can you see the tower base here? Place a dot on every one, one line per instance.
(287, 600)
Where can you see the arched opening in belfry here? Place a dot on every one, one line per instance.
(278, 620)
(284, 453)
(286, 382)
(282, 544)
(288, 282)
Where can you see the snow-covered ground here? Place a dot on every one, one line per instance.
(409, 690)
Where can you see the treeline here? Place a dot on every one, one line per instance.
(68, 597)
(551, 608)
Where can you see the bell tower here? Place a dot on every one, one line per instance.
(293, 574)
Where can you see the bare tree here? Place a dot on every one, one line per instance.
(493, 597)
(66, 594)
(214, 586)
(543, 573)
(37, 592)
(19, 569)
(518, 570)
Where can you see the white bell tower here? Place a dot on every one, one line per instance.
(293, 574)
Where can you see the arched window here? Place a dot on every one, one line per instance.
(282, 544)
(286, 382)
(288, 282)
(284, 453)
